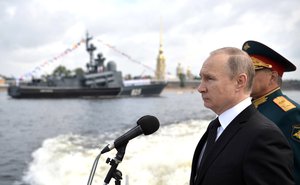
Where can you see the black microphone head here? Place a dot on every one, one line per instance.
(149, 124)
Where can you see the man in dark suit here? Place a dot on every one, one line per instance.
(241, 146)
(268, 97)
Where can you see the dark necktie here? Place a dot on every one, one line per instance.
(211, 138)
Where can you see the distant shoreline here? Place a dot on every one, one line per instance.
(192, 85)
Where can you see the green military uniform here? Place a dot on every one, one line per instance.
(276, 106)
(285, 113)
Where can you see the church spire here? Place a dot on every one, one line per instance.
(160, 64)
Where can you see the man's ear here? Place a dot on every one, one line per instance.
(241, 81)
(274, 76)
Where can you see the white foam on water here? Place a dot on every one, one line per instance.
(163, 158)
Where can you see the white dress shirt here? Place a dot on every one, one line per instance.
(226, 117)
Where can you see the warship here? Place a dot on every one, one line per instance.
(99, 80)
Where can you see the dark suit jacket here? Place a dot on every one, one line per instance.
(251, 150)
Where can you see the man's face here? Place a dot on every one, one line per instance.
(261, 83)
(216, 86)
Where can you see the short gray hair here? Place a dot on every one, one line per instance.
(238, 62)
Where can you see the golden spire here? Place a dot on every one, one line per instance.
(160, 65)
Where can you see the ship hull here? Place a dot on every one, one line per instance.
(59, 92)
(143, 90)
(75, 92)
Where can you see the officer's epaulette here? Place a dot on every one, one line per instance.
(284, 103)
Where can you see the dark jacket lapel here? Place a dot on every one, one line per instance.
(197, 156)
(224, 138)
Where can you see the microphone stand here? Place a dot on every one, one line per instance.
(113, 171)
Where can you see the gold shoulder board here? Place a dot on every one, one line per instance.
(283, 103)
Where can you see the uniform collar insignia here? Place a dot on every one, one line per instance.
(263, 99)
(259, 101)
(296, 132)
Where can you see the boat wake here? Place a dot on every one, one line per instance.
(162, 158)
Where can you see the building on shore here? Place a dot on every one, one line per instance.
(161, 61)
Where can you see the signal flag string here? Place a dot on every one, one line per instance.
(71, 49)
(52, 60)
(125, 55)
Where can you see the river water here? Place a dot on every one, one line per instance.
(55, 141)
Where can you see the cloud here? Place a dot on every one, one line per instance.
(37, 30)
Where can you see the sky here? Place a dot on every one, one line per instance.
(34, 33)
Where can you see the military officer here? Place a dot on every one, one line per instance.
(268, 97)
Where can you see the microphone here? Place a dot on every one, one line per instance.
(145, 125)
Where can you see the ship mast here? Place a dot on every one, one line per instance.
(90, 48)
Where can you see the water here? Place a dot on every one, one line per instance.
(55, 142)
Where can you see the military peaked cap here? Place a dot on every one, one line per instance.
(265, 57)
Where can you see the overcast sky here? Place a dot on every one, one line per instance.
(36, 31)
